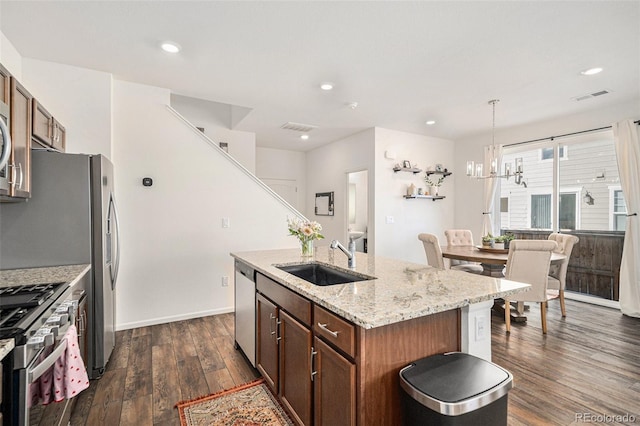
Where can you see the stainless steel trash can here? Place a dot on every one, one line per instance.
(455, 389)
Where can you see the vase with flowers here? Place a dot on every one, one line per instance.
(307, 232)
(433, 186)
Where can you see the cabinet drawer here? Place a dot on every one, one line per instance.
(291, 302)
(334, 330)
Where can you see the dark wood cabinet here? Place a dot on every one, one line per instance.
(295, 372)
(46, 129)
(20, 124)
(334, 387)
(330, 372)
(267, 349)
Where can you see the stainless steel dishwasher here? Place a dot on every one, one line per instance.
(245, 308)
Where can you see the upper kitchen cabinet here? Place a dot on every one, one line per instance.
(4, 85)
(20, 124)
(47, 130)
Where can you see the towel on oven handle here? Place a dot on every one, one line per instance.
(68, 376)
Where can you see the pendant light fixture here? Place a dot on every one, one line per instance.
(477, 170)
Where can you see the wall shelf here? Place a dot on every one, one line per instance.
(413, 170)
(428, 197)
(433, 172)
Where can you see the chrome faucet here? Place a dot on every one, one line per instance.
(351, 253)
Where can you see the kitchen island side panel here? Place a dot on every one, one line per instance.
(384, 351)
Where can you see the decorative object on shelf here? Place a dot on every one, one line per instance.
(411, 190)
(420, 192)
(406, 164)
(433, 186)
(307, 232)
(439, 168)
(476, 170)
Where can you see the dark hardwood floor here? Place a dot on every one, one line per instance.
(587, 365)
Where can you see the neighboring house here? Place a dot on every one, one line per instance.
(590, 197)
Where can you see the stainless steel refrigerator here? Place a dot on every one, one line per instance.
(71, 218)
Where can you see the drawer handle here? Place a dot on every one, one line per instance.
(324, 327)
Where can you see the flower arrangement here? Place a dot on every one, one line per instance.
(307, 232)
(429, 182)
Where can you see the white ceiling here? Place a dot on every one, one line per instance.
(403, 62)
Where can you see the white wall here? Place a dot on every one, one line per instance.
(174, 249)
(410, 217)
(78, 98)
(327, 169)
(9, 56)
(216, 120)
(284, 165)
(468, 213)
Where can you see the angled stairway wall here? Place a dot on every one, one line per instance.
(174, 248)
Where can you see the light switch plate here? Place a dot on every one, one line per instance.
(225, 222)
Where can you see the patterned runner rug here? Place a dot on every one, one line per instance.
(251, 404)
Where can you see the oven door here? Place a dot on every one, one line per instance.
(51, 345)
(5, 149)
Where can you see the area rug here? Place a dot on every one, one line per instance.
(251, 404)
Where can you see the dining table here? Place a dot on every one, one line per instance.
(493, 262)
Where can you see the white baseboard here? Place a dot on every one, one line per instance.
(173, 318)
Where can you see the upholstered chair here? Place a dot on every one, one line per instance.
(528, 262)
(462, 237)
(558, 271)
(432, 250)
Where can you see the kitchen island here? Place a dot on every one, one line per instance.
(343, 345)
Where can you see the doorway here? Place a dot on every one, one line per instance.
(358, 208)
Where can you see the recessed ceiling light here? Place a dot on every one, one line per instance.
(171, 47)
(591, 71)
(304, 137)
(431, 122)
(326, 86)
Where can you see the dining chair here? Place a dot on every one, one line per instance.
(558, 272)
(462, 237)
(528, 262)
(432, 250)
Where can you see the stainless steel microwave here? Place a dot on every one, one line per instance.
(5, 148)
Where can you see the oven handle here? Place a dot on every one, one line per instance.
(34, 373)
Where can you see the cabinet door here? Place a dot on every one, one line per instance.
(295, 368)
(42, 124)
(59, 139)
(267, 351)
(334, 387)
(20, 162)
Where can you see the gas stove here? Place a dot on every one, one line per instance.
(21, 306)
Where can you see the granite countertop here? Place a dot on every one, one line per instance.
(50, 274)
(402, 290)
(5, 347)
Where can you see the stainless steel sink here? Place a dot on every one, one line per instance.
(319, 274)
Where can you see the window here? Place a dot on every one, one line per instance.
(619, 211)
(592, 169)
(547, 153)
(504, 205)
(567, 211)
(541, 211)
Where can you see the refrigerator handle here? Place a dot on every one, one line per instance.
(116, 267)
(6, 144)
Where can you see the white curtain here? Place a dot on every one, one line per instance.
(625, 136)
(490, 186)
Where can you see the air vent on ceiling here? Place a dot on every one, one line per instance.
(592, 95)
(298, 127)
